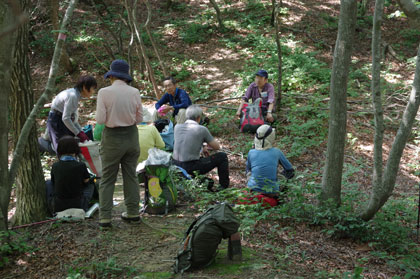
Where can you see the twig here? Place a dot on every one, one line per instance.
(219, 107)
(221, 100)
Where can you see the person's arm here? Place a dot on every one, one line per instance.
(288, 171)
(185, 100)
(209, 139)
(100, 109)
(244, 100)
(86, 175)
(270, 100)
(248, 165)
(139, 109)
(162, 101)
(70, 108)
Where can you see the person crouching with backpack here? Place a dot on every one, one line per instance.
(69, 186)
(262, 163)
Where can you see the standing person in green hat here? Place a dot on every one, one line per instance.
(119, 108)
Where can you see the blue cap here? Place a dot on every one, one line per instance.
(262, 73)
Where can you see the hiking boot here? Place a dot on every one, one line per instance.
(132, 218)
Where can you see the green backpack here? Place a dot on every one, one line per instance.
(199, 247)
(160, 194)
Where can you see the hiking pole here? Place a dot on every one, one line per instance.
(418, 217)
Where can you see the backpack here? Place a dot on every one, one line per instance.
(199, 247)
(160, 192)
(252, 117)
(166, 131)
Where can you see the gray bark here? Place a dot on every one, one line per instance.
(146, 26)
(279, 54)
(376, 95)
(218, 14)
(30, 184)
(46, 95)
(331, 179)
(412, 12)
(132, 11)
(6, 51)
(381, 193)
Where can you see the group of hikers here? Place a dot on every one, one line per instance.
(128, 133)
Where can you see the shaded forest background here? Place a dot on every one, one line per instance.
(213, 62)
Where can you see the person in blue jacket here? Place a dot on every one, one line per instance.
(178, 100)
(263, 161)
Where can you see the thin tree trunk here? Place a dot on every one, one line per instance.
(50, 86)
(273, 13)
(279, 54)
(30, 184)
(133, 21)
(218, 14)
(65, 59)
(376, 96)
(331, 179)
(146, 26)
(6, 54)
(381, 193)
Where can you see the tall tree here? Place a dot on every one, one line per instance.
(218, 14)
(31, 119)
(331, 179)
(65, 59)
(279, 54)
(30, 184)
(412, 11)
(6, 52)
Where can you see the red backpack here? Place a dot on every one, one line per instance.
(252, 117)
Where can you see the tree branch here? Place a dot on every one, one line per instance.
(20, 146)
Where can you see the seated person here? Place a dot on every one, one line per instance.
(149, 137)
(69, 187)
(260, 89)
(263, 161)
(62, 119)
(178, 101)
(189, 139)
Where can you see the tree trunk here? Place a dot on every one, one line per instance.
(50, 86)
(273, 13)
(65, 59)
(146, 26)
(218, 14)
(331, 179)
(412, 11)
(381, 193)
(132, 11)
(6, 52)
(376, 96)
(279, 54)
(30, 184)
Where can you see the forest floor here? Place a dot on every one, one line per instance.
(279, 249)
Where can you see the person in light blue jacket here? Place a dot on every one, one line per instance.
(263, 161)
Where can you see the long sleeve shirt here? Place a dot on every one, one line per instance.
(267, 94)
(178, 101)
(67, 102)
(119, 105)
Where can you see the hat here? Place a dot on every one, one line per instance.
(119, 69)
(262, 73)
(264, 137)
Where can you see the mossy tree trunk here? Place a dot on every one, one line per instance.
(30, 185)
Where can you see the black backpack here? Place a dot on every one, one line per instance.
(199, 247)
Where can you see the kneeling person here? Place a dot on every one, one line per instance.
(189, 139)
(69, 187)
(263, 161)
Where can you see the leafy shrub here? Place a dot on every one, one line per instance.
(195, 33)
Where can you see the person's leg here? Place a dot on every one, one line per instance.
(181, 116)
(219, 160)
(110, 157)
(87, 195)
(128, 166)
